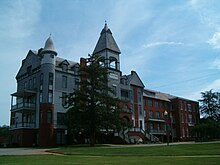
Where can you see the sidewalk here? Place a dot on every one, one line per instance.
(23, 151)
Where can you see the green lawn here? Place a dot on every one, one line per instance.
(195, 154)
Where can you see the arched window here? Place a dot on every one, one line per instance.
(113, 62)
(102, 61)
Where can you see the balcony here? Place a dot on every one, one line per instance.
(23, 106)
(156, 119)
(155, 131)
(22, 125)
(191, 124)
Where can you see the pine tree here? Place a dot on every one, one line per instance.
(93, 108)
(210, 105)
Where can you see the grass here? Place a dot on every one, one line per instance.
(193, 154)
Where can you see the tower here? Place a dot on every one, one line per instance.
(46, 94)
(109, 52)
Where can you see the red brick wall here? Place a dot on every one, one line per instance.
(46, 129)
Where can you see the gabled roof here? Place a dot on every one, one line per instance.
(134, 79)
(106, 41)
(156, 95)
(60, 61)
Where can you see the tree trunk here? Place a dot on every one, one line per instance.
(92, 139)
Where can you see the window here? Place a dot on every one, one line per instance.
(139, 96)
(50, 81)
(185, 106)
(64, 81)
(41, 97)
(61, 118)
(76, 83)
(150, 103)
(156, 104)
(113, 63)
(50, 96)
(158, 126)
(186, 118)
(25, 85)
(29, 70)
(64, 67)
(64, 99)
(187, 132)
(34, 82)
(125, 93)
(182, 118)
(150, 114)
(151, 126)
(41, 78)
(157, 115)
(30, 84)
(49, 117)
(181, 105)
(189, 106)
(183, 132)
(140, 110)
(141, 124)
(114, 91)
(190, 118)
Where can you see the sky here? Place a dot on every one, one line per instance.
(174, 46)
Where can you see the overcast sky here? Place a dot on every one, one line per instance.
(174, 46)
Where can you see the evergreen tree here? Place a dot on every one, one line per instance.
(93, 108)
(210, 104)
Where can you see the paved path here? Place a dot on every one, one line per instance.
(23, 151)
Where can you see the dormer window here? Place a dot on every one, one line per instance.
(64, 67)
(29, 70)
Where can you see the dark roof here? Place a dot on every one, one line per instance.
(106, 41)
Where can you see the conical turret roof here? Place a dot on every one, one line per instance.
(106, 41)
(49, 45)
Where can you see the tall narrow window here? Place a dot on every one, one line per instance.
(157, 115)
(140, 110)
(114, 91)
(139, 96)
(150, 114)
(64, 99)
(156, 104)
(76, 83)
(50, 81)
(34, 82)
(30, 84)
(41, 97)
(50, 96)
(41, 78)
(64, 81)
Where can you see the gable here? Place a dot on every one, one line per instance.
(31, 61)
(135, 79)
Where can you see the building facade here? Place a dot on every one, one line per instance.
(38, 106)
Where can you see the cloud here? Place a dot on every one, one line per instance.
(215, 40)
(19, 18)
(153, 44)
(215, 85)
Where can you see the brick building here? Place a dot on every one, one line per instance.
(38, 106)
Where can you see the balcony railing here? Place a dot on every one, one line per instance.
(156, 119)
(155, 131)
(23, 105)
(23, 125)
(191, 124)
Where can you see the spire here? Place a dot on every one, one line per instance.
(106, 41)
